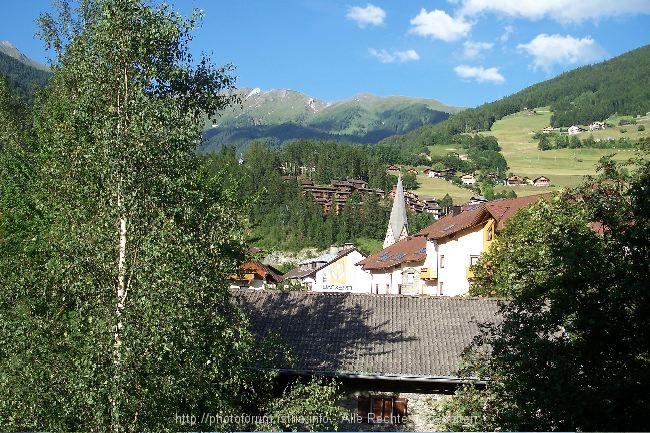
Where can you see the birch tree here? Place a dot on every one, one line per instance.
(115, 313)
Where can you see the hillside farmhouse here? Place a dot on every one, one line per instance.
(515, 181)
(395, 356)
(573, 130)
(468, 179)
(542, 181)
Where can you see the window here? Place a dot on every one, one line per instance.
(473, 260)
(440, 288)
(382, 409)
(377, 288)
(490, 233)
(442, 261)
(387, 289)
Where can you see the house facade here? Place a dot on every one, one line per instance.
(468, 179)
(542, 181)
(395, 270)
(255, 275)
(332, 272)
(437, 260)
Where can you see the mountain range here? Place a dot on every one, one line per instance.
(280, 115)
(618, 85)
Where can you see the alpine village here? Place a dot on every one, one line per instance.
(178, 254)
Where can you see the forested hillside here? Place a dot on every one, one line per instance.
(22, 77)
(586, 94)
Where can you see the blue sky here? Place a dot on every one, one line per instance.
(460, 52)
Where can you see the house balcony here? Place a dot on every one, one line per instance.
(428, 273)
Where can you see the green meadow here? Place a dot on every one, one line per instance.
(564, 167)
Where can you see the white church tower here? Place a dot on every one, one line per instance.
(398, 224)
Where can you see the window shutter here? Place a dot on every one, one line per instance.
(363, 407)
(400, 410)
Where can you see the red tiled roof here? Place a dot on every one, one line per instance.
(503, 210)
(473, 215)
(470, 216)
(410, 249)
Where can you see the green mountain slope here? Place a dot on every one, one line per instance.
(280, 115)
(595, 92)
(21, 72)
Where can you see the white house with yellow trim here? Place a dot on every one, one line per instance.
(436, 261)
(332, 273)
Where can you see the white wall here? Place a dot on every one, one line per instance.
(343, 275)
(457, 253)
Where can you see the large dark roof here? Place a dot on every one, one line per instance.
(358, 334)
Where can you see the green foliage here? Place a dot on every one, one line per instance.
(116, 243)
(305, 406)
(572, 352)
(563, 141)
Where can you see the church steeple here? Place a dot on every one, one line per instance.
(398, 224)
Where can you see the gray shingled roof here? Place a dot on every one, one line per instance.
(369, 334)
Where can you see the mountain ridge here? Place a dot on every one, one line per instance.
(279, 115)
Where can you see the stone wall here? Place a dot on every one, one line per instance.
(423, 413)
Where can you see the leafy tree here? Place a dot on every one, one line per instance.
(573, 349)
(115, 313)
(446, 203)
(303, 407)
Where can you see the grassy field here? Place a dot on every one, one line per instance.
(437, 188)
(564, 167)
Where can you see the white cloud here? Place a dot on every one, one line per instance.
(507, 31)
(550, 50)
(566, 11)
(438, 25)
(472, 50)
(370, 15)
(395, 56)
(479, 74)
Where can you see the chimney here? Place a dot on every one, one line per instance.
(455, 210)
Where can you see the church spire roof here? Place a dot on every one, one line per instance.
(398, 224)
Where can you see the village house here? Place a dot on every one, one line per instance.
(255, 275)
(542, 181)
(515, 181)
(396, 269)
(396, 357)
(468, 179)
(548, 130)
(393, 169)
(335, 271)
(594, 126)
(429, 172)
(437, 259)
(573, 130)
